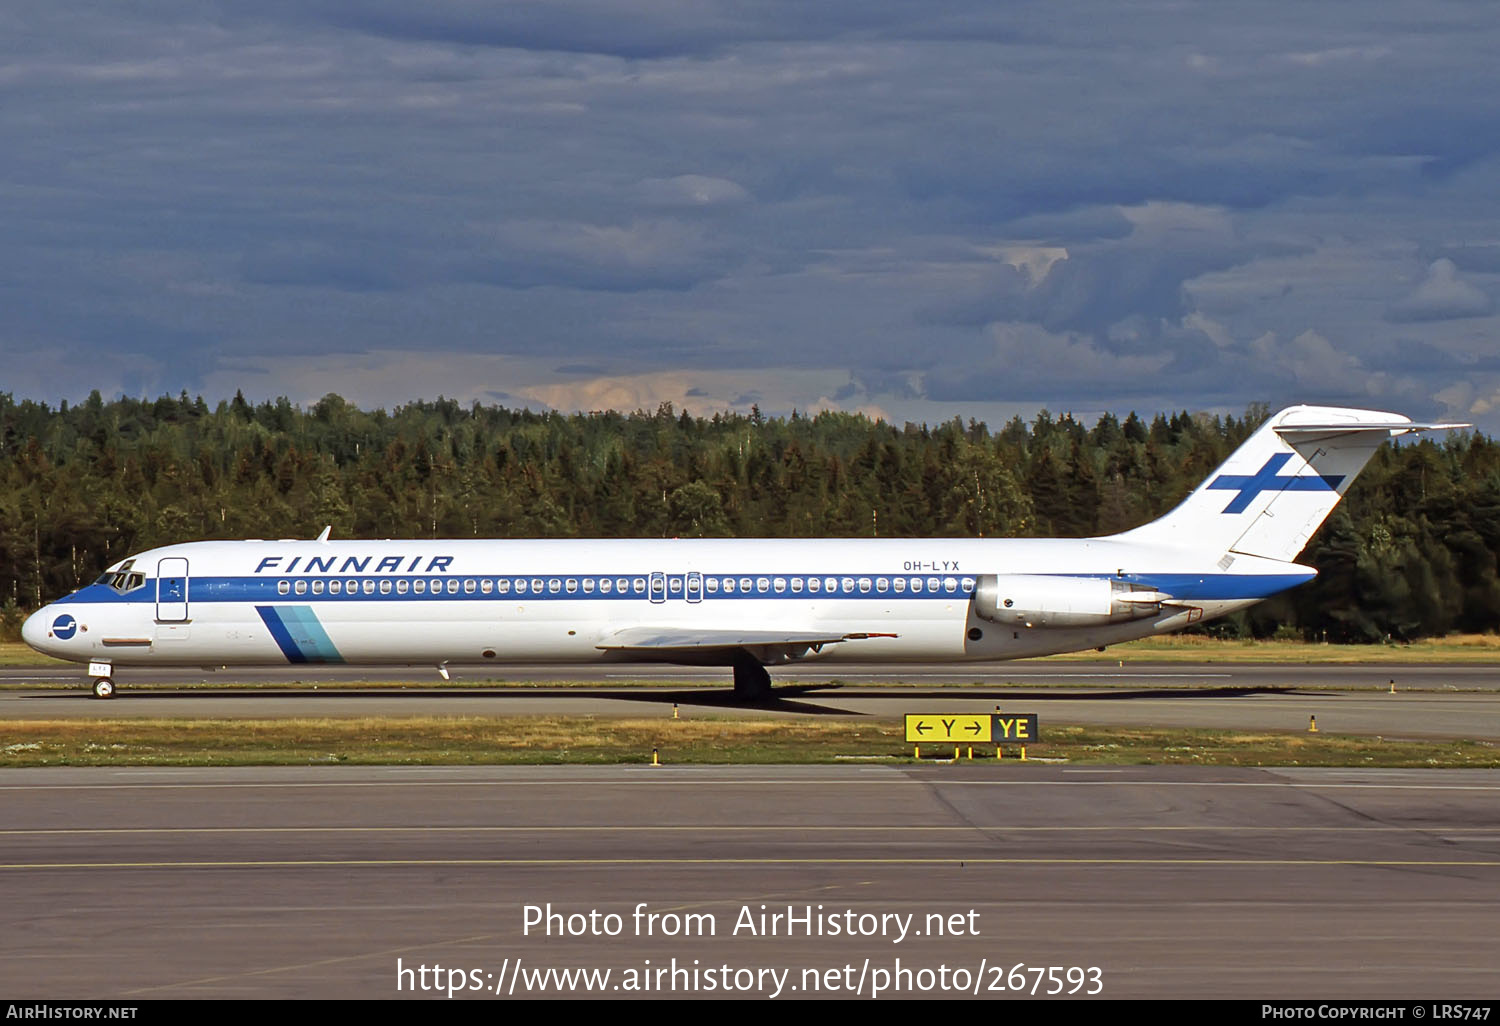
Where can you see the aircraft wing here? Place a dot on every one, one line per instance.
(682, 640)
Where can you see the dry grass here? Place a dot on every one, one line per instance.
(588, 740)
(1456, 648)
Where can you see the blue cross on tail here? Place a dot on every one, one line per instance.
(1265, 480)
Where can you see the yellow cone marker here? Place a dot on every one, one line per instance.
(655, 760)
(1312, 724)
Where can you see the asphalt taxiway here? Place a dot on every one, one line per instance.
(1429, 701)
(1172, 882)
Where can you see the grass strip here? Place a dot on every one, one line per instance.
(586, 740)
(1195, 648)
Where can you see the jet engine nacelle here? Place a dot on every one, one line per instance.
(1041, 600)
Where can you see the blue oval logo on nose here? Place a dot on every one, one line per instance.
(64, 627)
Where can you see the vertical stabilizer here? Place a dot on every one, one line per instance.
(1275, 491)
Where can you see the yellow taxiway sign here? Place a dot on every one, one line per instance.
(947, 727)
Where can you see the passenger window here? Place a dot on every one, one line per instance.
(283, 587)
(762, 584)
(469, 585)
(486, 585)
(864, 584)
(899, 584)
(932, 584)
(916, 584)
(881, 584)
(605, 584)
(437, 585)
(537, 586)
(796, 584)
(317, 587)
(554, 585)
(745, 584)
(813, 584)
(949, 583)
(729, 585)
(571, 584)
(830, 584)
(968, 584)
(453, 586)
(385, 586)
(300, 587)
(402, 586)
(847, 584)
(712, 584)
(368, 587)
(695, 585)
(335, 587)
(419, 586)
(502, 586)
(779, 584)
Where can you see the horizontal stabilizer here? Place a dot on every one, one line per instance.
(1393, 428)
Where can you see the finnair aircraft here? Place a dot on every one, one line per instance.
(747, 604)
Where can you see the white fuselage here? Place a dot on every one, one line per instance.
(227, 603)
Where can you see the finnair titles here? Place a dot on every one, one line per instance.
(746, 604)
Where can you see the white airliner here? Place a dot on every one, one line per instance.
(748, 604)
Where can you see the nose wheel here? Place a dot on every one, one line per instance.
(104, 687)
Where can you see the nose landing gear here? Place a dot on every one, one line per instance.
(104, 686)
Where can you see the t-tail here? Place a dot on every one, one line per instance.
(1276, 490)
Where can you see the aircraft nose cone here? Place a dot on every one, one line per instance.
(34, 631)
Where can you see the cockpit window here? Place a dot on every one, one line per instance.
(122, 582)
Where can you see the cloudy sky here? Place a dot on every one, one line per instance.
(920, 210)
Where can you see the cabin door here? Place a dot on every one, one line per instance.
(172, 590)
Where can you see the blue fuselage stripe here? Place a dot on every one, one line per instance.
(298, 634)
(283, 637)
(1200, 587)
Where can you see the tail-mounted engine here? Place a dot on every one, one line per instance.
(1040, 600)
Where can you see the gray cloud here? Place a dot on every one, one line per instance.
(1484, 258)
(951, 207)
(1442, 295)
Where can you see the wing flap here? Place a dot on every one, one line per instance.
(679, 639)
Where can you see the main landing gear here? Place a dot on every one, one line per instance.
(751, 681)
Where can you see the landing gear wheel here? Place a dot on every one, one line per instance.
(104, 687)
